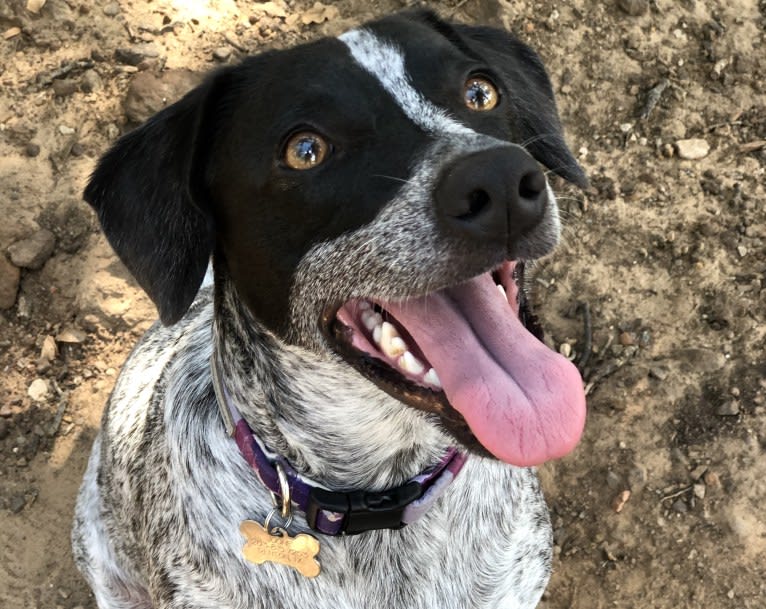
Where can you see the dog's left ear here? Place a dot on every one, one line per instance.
(534, 116)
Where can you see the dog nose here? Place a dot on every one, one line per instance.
(497, 194)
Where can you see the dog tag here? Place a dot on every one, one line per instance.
(298, 552)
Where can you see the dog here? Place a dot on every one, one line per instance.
(348, 413)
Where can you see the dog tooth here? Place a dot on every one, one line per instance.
(502, 291)
(432, 378)
(364, 305)
(388, 335)
(377, 334)
(410, 363)
(370, 319)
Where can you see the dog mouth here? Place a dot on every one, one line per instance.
(471, 354)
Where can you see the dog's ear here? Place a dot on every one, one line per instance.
(149, 194)
(534, 117)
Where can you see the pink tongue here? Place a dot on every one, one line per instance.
(523, 402)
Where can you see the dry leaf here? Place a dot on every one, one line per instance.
(272, 9)
(319, 13)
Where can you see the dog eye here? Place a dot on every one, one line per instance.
(480, 94)
(305, 150)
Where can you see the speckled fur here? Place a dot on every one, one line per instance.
(157, 521)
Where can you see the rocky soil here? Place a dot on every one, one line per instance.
(658, 292)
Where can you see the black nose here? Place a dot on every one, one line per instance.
(497, 194)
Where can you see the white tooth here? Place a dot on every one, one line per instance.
(370, 319)
(432, 378)
(388, 335)
(364, 305)
(377, 334)
(410, 363)
(502, 291)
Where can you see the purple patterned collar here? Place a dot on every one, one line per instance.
(334, 512)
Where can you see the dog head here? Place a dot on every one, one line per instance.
(366, 196)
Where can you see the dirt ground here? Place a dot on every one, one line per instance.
(662, 505)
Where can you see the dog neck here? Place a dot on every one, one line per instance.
(325, 419)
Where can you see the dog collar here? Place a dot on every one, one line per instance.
(337, 512)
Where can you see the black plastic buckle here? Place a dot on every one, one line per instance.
(364, 511)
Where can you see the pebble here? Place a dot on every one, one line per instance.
(698, 472)
(679, 506)
(65, 130)
(32, 252)
(659, 372)
(222, 54)
(728, 409)
(16, 503)
(32, 150)
(627, 339)
(91, 81)
(637, 477)
(692, 149)
(130, 57)
(64, 87)
(48, 350)
(699, 491)
(742, 251)
(149, 93)
(634, 8)
(38, 390)
(10, 276)
(712, 481)
(71, 336)
(112, 9)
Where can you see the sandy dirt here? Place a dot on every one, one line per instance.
(662, 504)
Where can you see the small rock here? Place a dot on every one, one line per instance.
(130, 57)
(91, 81)
(48, 351)
(613, 481)
(728, 409)
(148, 94)
(699, 491)
(634, 8)
(679, 506)
(71, 336)
(38, 390)
(659, 372)
(65, 130)
(16, 503)
(627, 339)
(637, 477)
(32, 252)
(692, 149)
(112, 9)
(11, 32)
(698, 472)
(222, 54)
(712, 481)
(742, 251)
(64, 87)
(77, 149)
(9, 283)
(32, 150)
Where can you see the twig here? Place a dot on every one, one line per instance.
(686, 489)
(458, 6)
(723, 124)
(752, 146)
(235, 44)
(54, 428)
(47, 79)
(588, 336)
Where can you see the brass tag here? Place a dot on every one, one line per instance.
(298, 552)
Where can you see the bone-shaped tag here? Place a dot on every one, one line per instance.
(298, 552)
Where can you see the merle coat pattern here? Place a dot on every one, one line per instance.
(157, 521)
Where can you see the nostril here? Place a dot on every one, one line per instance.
(478, 200)
(531, 184)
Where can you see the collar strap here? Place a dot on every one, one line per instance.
(337, 512)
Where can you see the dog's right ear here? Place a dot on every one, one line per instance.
(148, 191)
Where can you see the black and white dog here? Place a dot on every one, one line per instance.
(365, 358)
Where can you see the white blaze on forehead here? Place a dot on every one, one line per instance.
(386, 63)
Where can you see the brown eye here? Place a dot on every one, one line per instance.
(480, 94)
(305, 150)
